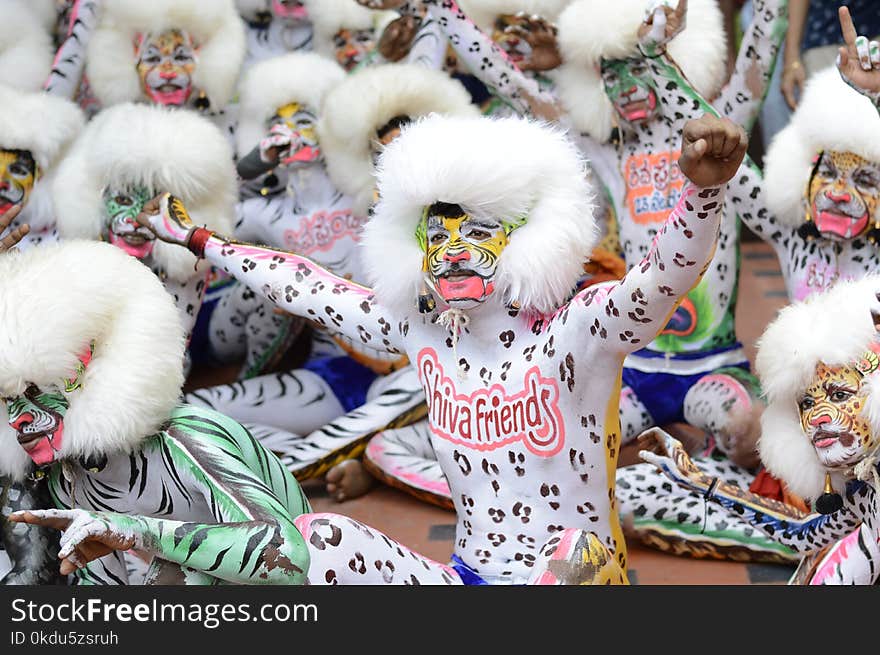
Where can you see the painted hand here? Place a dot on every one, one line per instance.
(166, 217)
(86, 536)
(858, 60)
(712, 150)
(668, 454)
(662, 23)
(15, 236)
(540, 34)
(277, 143)
(398, 36)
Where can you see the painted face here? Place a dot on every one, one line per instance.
(166, 64)
(461, 253)
(629, 87)
(353, 46)
(831, 415)
(517, 48)
(18, 173)
(37, 416)
(293, 11)
(302, 121)
(121, 206)
(844, 194)
(386, 134)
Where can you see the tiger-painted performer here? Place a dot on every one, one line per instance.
(123, 158)
(75, 24)
(521, 377)
(36, 130)
(331, 406)
(274, 27)
(348, 32)
(819, 364)
(90, 395)
(825, 167)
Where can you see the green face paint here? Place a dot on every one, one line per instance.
(629, 86)
(121, 207)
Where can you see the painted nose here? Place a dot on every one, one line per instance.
(22, 422)
(167, 75)
(463, 256)
(631, 90)
(839, 197)
(4, 185)
(820, 420)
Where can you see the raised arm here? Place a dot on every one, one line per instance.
(70, 60)
(630, 313)
(296, 284)
(782, 523)
(741, 98)
(858, 60)
(252, 498)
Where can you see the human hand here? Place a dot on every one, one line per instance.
(667, 453)
(397, 38)
(541, 35)
(15, 236)
(167, 218)
(712, 150)
(858, 60)
(662, 23)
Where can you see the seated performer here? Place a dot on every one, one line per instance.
(478, 238)
(90, 396)
(35, 131)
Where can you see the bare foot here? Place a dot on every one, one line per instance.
(347, 480)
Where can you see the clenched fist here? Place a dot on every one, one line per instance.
(712, 150)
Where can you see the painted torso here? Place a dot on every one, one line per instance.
(276, 39)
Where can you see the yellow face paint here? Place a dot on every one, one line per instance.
(18, 175)
(166, 65)
(831, 415)
(844, 194)
(352, 46)
(516, 47)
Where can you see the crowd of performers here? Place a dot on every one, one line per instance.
(470, 249)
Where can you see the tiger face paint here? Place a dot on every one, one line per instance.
(302, 121)
(843, 194)
(166, 63)
(831, 413)
(351, 47)
(629, 87)
(37, 416)
(121, 207)
(461, 253)
(516, 47)
(18, 174)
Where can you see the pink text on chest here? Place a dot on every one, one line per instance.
(490, 418)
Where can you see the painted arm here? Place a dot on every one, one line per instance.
(188, 295)
(858, 60)
(783, 523)
(429, 45)
(294, 283)
(70, 60)
(741, 98)
(253, 499)
(485, 59)
(630, 313)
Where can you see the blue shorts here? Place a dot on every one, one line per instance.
(348, 379)
(663, 394)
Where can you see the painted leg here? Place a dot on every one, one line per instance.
(673, 520)
(634, 416)
(576, 557)
(28, 553)
(345, 551)
(854, 560)
(298, 401)
(727, 405)
(269, 335)
(404, 458)
(226, 329)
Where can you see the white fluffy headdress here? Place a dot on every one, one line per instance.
(54, 301)
(215, 26)
(156, 147)
(592, 30)
(505, 168)
(248, 9)
(366, 101)
(834, 327)
(302, 77)
(26, 48)
(330, 16)
(46, 126)
(485, 12)
(830, 116)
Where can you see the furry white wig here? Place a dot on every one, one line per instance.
(830, 116)
(485, 12)
(46, 126)
(302, 77)
(26, 48)
(155, 147)
(330, 16)
(248, 9)
(57, 299)
(835, 328)
(215, 26)
(505, 168)
(592, 30)
(366, 101)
